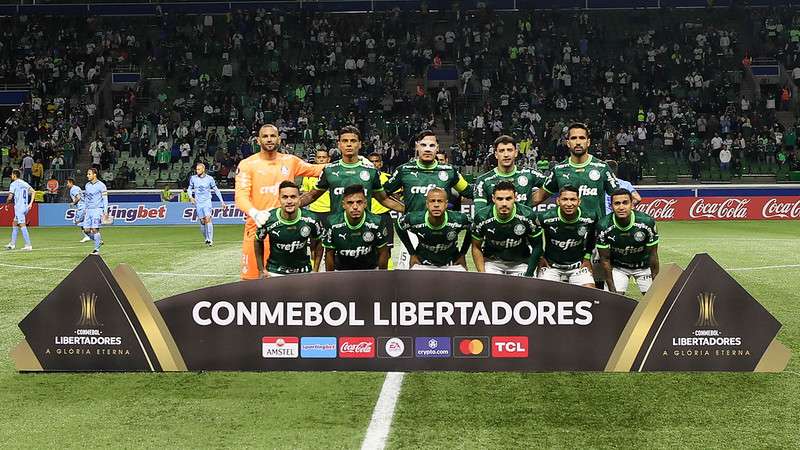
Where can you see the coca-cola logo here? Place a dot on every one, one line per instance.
(774, 209)
(731, 208)
(356, 347)
(659, 208)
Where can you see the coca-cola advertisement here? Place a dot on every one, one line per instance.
(721, 208)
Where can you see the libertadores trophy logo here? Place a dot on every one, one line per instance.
(88, 317)
(705, 317)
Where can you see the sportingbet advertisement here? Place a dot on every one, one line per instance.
(698, 319)
(127, 214)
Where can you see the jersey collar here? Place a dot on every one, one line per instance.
(561, 218)
(360, 224)
(348, 165)
(497, 217)
(582, 165)
(286, 222)
(428, 223)
(433, 166)
(510, 174)
(630, 225)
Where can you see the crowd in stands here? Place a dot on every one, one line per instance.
(656, 87)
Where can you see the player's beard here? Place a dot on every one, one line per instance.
(577, 151)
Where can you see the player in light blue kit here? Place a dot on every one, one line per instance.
(76, 200)
(95, 197)
(200, 187)
(21, 193)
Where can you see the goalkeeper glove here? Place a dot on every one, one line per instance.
(260, 216)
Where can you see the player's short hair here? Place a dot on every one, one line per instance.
(504, 186)
(350, 129)
(352, 189)
(16, 173)
(375, 155)
(287, 184)
(267, 125)
(613, 165)
(578, 125)
(436, 190)
(425, 133)
(200, 163)
(324, 150)
(94, 170)
(622, 191)
(569, 188)
(504, 139)
(71, 180)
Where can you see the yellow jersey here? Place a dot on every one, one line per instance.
(320, 205)
(377, 207)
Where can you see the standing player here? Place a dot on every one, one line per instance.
(628, 244)
(504, 233)
(418, 177)
(378, 209)
(290, 231)
(76, 200)
(592, 177)
(355, 238)
(526, 181)
(437, 231)
(321, 206)
(96, 200)
(347, 172)
(200, 188)
(257, 180)
(22, 194)
(569, 238)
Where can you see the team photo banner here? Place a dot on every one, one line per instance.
(694, 320)
(722, 208)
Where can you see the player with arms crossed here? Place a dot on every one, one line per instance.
(257, 181)
(569, 239)
(21, 194)
(200, 188)
(290, 231)
(355, 238)
(437, 231)
(76, 200)
(526, 181)
(628, 245)
(504, 234)
(96, 199)
(419, 176)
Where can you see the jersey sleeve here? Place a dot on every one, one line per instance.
(376, 184)
(403, 223)
(538, 178)
(327, 238)
(190, 189)
(461, 185)
(322, 183)
(216, 190)
(653, 233)
(479, 192)
(317, 232)
(304, 169)
(610, 183)
(602, 239)
(244, 187)
(393, 183)
(550, 183)
(477, 230)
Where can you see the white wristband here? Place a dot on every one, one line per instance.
(252, 213)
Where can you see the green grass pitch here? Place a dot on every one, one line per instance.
(332, 410)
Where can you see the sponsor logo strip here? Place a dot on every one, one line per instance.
(432, 347)
(318, 347)
(509, 346)
(280, 347)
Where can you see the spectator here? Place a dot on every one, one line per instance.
(37, 172)
(27, 167)
(724, 159)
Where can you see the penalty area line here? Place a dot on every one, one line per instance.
(784, 266)
(381, 422)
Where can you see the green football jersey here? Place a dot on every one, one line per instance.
(438, 246)
(567, 243)
(355, 246)
(629, 246)
(508, 239)
(416, 180)
(289, 241)
(337, 176)
(526, 181)
(593, 179)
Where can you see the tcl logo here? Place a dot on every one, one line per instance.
(356, 347)
(509, 346)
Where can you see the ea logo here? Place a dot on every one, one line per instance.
(395, 347)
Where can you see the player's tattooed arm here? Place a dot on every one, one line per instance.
(477, 256)
(605, 263)
(310, 197)
(316, 254)
(258, 250)
(389, 201)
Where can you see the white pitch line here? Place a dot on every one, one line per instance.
(140, 244)
(62, 269)
(382, 415)
(785, 266)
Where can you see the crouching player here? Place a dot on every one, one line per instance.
(355, 239)
(505, 238)
(628, 245)
(290, 231)
(437, 230)
(569, 237)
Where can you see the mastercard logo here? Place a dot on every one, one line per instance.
(473, 347)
